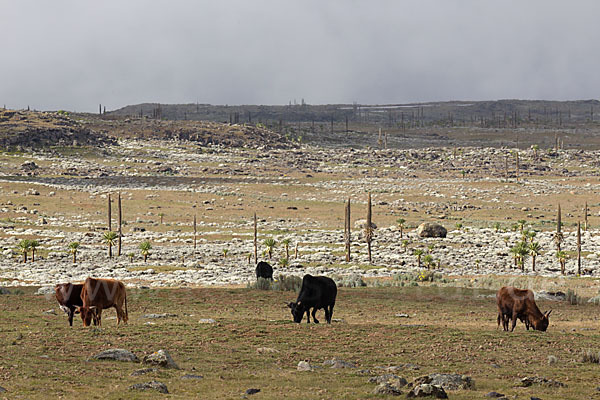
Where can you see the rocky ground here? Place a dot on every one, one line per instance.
(59, 196)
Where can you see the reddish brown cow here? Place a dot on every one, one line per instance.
(516, 303)
(99, 294)
(68, 296)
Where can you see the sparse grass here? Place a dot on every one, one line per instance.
(464, 341)
(157, 269)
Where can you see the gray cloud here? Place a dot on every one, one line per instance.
(73, 55)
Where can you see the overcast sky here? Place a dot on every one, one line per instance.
(74, 54)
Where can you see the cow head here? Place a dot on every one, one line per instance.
(297, 311)
(542, 324)
(87, 314)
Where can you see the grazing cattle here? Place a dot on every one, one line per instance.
(68, 296)
(264, 270)
(99, 294)
(516, 303)
(316, 292)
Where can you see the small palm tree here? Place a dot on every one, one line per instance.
(73, 247)
(131, 255)
(400, 222)
(515, 253)
(286, 244)
(418, 253)
(225, 251)
(428, 260)
(459, 226)
(534, 250)
(249, 257)
(521, 223)
(33, 244)
(562, 259)
(284, 262)
(270, 244)
(497, 226)
(110, 238)
(145, 247)
(535, 149)
(404, 244)
(531, 235)
(522, 252)
(161, 215)
(24, 246)
(430, 247)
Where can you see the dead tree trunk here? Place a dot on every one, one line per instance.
(255, 241)
(119, 221)
(578, 248)
(369, 229)
(347, 232)
(109, 215)
(585, 217)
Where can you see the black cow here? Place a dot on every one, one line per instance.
(264, 270)
(316, 292)
(68, 296)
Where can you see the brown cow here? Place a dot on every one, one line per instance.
(99, 294)
(516, 303)
(68, 296)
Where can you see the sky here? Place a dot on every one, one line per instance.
(74, 54)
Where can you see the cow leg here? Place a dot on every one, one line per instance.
(314, 311)
(513, 322)
(308, 315)
(99, 316)
(330, 313)
(119, 314)
(500, 318)
(70, 314)
(327, 317)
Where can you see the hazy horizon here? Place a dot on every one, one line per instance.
(72, 55)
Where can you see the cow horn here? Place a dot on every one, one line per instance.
(548, 313)
(290, 304)
(92, 307)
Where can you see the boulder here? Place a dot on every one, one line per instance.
(143, 371)
(427, 390)
(163, 315)
(494, 395)
(190, 376)
(553, 296)
(387, 389)
(337, 363)
(44, 290)
(29, 166)
(429, 229)
(154, 385)
(447, 381)
(116, 355)
(161, 358)
(304, 366)
(362, 224)
(535, 380)
(392, 379)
